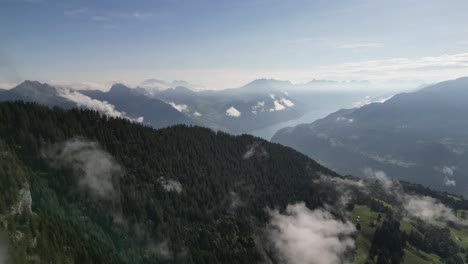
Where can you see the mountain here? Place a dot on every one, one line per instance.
(80, 187)
(33, 91)
(419, 136)
(155, 112)
(239, 110)
(120, 101)
(259, 104)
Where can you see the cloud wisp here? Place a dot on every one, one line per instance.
(96, 169)
(422, 207)
(255, 150)
(101, 106)
(344, 188)
(304, 236)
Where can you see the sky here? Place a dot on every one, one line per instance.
(222, 43)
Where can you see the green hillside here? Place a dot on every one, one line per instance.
(79, 187)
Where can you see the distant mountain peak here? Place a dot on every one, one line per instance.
(119, 88)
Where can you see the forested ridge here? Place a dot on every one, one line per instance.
(177, 195)
(198, 224)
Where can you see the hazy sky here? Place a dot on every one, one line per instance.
(222, 44)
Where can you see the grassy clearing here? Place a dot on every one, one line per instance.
(456, 198)
(416, 256)
(366, 234)
(460, 236)
(407, 226)
(383, 202)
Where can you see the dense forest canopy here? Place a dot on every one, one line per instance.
(81, 187)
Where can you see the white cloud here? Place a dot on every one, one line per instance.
(79, 85)
(304, 236)
(428, 209)
(287, 102)
(171, 185)
(277, 106)
(95, 167)
(423, 207)
(448, 182)
(231, 111)
(449, 170)
(255, 149)
(259, 107)
(341, 119)
(448, 174)
(196, 113)
(371, 100)
(88, 102)
(179, 107)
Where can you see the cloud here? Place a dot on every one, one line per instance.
(422, 207)
(96, 169)
(81, 85)
(448, 182)
(179, 107)
(428, 209)
(160, 249)
(231, 111)
(371, 100)
(304, 236)
(449, 170)
(277, 106)
(171, 185)
(101, 106)
(360, 45)
(343, 188)
(75, 12)
(255, 149)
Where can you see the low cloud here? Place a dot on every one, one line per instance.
(160, 249)
(343, 187)
(419, 206)
(179, 107)
(428, 209)
(448, 182)
(171, 185)
(449, 170)
(96, 169)
(231, 111)
(101, 106)
(255, 150)
(304, 236)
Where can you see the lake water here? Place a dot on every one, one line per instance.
(268, 132)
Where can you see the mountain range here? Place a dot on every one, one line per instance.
(258, 104)
(420, 136)
(77, 186)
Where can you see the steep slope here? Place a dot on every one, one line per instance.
(181, 194)
(32, 91)
(257, 104)
(155, 112)
(78, 187)
(420, 137)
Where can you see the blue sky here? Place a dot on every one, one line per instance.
(222, 44)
